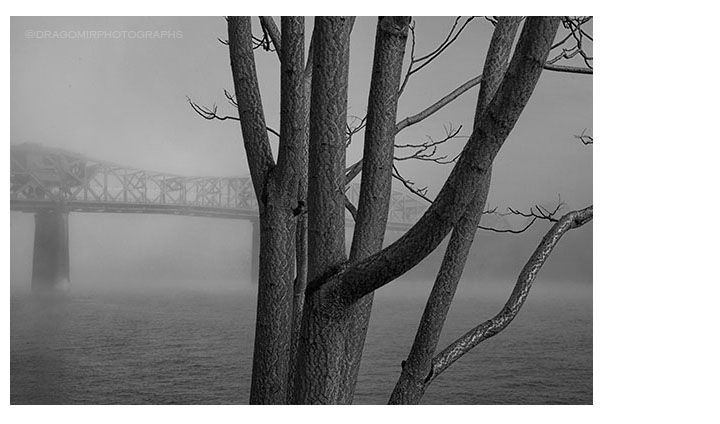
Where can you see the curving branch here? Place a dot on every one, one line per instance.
(410, 385)
(499, 322)
(351, 283)
(351, 208)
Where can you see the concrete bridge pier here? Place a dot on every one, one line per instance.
(51, 254)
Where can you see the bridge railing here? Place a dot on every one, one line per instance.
(43, 175)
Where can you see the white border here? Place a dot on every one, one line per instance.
(655, 353)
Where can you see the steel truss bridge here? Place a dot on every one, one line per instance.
(51, 183)
(44, 178)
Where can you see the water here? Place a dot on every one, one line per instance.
(191, 347)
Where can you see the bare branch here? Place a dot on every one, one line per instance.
(572, 46)
(491, 19)
(585, 139)
(414, 119)
(270, 28)
(358, 124)
(211, 114)
(208, 113)
(539, 212)
(421, 192)
(352, 171)
(427, 151)
(351, 208)
(417, 64)
(568, 69)
(499, 322)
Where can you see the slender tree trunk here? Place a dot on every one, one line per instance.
(376, 185)
(276, 188)
(321, 345)
(301, 236)
(412, 383)
(416, 369)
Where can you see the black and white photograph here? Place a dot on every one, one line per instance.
(363, 210)
(292, 210)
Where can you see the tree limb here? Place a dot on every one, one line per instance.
(250, 110)
(376, 182)
(292, 102)
(414, 119)
(410, 385)
(417, 64)
(568, 69)
(211, 114)
(269, 26)
(499, 322)
(355, 281)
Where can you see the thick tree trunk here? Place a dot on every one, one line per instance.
(271, 355)
(334, 315)
(321, 345)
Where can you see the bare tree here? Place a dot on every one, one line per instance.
(314, 303)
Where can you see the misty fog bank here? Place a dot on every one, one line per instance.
(135, 252)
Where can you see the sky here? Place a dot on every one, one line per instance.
(125, 101)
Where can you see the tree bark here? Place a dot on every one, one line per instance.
(376, 183)
(276, 188)
(334, 316)
(499, 322)
(411, 385)
(301, 236)
(355, 281)
(321, 345)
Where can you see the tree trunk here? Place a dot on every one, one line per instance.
(376, 185)
(416, 369)
(321, 346)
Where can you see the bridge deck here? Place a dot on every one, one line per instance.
(44, 178)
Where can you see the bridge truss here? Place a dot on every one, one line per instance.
(45, 178)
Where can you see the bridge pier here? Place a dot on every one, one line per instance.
(51, 253)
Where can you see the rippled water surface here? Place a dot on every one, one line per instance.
(191, 347)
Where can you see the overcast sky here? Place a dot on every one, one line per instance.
(124, 100)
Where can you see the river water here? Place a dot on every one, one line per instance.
(192, 347)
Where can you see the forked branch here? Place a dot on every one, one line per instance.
(211, 114)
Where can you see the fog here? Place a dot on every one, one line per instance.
(124, 101)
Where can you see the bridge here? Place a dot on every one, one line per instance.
(51, 183)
